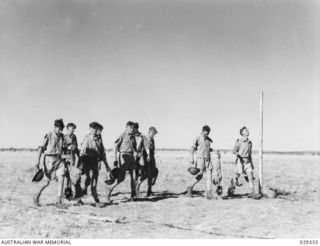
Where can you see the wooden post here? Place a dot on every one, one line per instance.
(260, 189)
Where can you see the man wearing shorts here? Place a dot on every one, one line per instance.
(124, 149)
(201, 148)
(151, 171)
(243, 164)
(72, 151)
(54, 166)
(91, 153)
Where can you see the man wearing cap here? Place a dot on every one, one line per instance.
(72, 151)
(126, 146)
(54, 166)
(71, 142)
(91, 153)
(149, 160)
(139, 141)
(201, 147)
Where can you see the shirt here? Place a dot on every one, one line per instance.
(92, 146)
(139, 141)
(148, 144)
(202, 146)
(71, 142)
(126, 143)
(53, 143)
(243, 148)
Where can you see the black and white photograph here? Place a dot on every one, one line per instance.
(159, 119)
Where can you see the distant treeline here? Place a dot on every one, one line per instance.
(225, 151)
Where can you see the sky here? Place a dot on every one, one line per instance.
(176, 65)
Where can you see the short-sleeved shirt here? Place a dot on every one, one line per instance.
(148, 144)
(92, 147)
(243, 148)
(126, 143)
(202, 146)
(53, 143)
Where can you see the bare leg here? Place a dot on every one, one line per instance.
(149, 174)
(190, 187)
(236, 174)
(77, 185)
(142, 179)
(110, 189)
(133, 184)
(251, 184)
(209, 181)
(36, 197)
(94, 182)
(87, 182)
(60, 189)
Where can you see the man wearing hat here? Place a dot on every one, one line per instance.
(91, 153)
(71, 151)
(54, 166)
(201, 148)
(149, 160)
(126, 146)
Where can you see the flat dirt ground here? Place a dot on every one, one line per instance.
(295, 213)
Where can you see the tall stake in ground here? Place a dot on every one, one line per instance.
(261, 146)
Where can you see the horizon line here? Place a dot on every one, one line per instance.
(313, 152)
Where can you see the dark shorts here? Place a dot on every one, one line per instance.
(126, 163)
(88, 163)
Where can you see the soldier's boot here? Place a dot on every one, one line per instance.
(133, 195)
(189, 192)
(60, 204)
(79, 202)
(149, 192)
(209, 195)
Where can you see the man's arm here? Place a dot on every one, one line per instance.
(250, 152)
(41, 150)
(116, 146)
(104, 157)
(39, 158)
(76, 150)
(193, 150)
(236, 148)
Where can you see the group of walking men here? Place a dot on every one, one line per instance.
(134, 153)
(64, 161)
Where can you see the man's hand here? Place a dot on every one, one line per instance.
(115, 163)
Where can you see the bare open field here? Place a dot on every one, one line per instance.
(168, 214)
